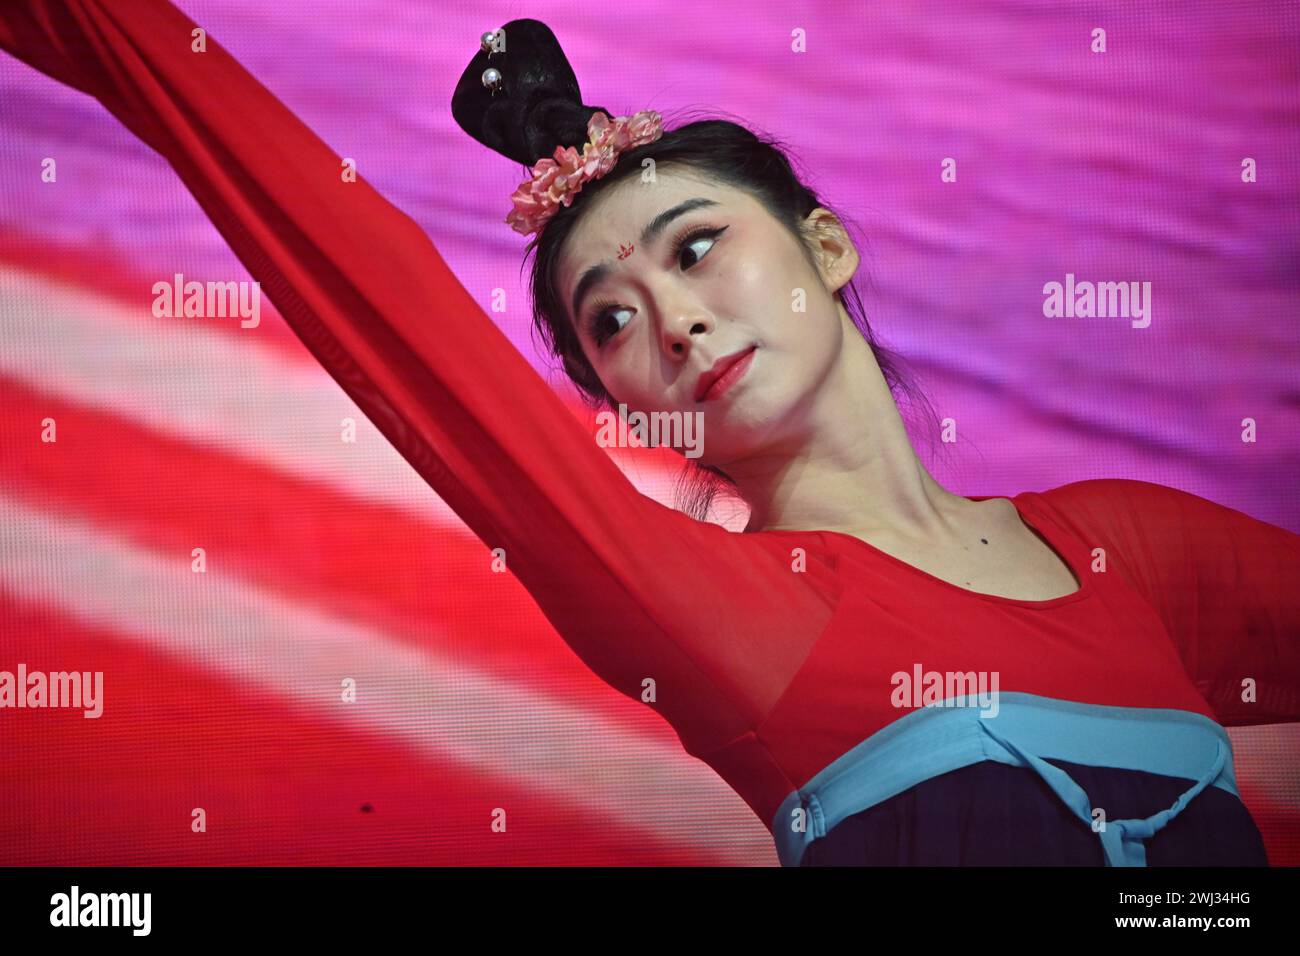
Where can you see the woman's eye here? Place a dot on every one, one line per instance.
(611, 320)
(694, 237)
(605, 324)
(690, 245)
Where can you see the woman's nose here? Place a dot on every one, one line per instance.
(681, 331)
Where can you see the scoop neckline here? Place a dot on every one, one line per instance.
(1053, 542)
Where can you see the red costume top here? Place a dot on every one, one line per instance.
(766, 673)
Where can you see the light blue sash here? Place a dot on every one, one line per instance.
(1025, 728)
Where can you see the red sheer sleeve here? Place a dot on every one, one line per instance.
(1226, 585)
(637, 589)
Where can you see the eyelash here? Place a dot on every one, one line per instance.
(683, 239)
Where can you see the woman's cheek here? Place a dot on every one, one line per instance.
(746, 273)
(623, 383)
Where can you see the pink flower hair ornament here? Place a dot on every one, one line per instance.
(555, 181)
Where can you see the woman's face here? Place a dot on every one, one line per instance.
(712, 281)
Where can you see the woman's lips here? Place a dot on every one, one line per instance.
(732, 374)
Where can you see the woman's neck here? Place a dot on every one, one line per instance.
(855, 471)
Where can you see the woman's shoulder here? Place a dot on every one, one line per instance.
(1127, 508)
(1122, 494)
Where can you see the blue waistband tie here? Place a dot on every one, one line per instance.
(938, 738)
(1121, 840)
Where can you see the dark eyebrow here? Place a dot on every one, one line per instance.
(648, 235)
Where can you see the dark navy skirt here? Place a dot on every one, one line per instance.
(994, 814)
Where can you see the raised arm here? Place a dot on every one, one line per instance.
(637, 589)
(1226, 585)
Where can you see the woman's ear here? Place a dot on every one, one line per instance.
(836, 255)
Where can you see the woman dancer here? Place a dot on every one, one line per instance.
(1090, 642)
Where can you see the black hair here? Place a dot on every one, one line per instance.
(542, 109)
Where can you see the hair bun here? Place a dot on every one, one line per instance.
(538, 106)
